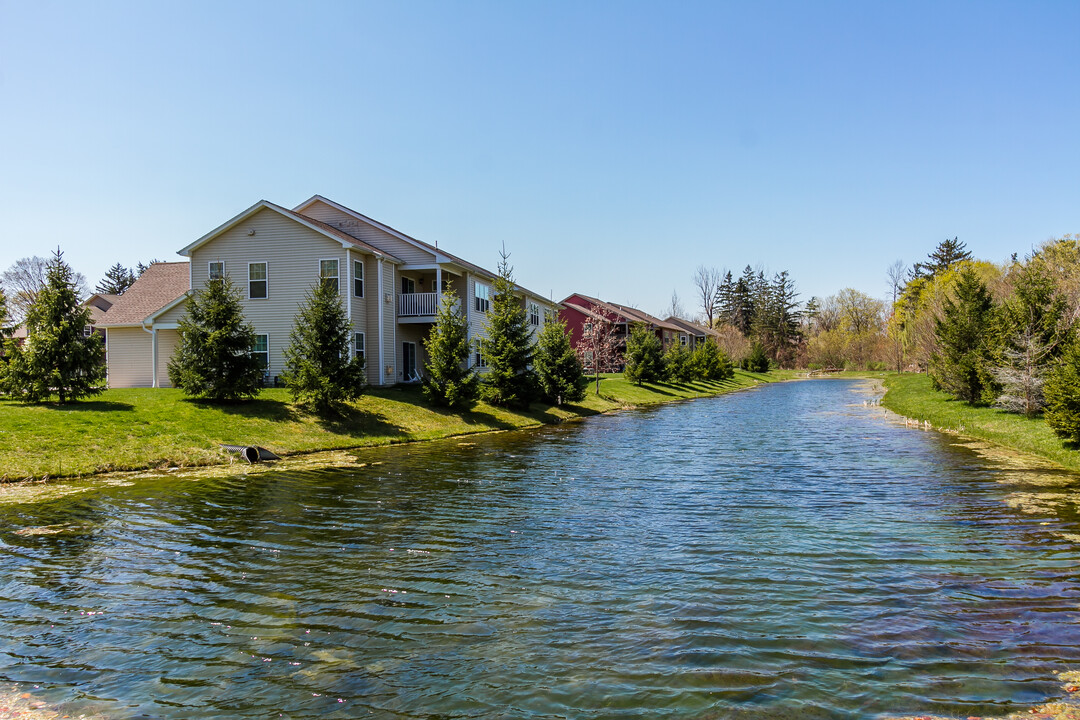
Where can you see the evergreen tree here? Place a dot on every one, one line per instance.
(757, 361)
(725, 300)
(508, 346)
(141, 268)
(320, 369)
(644, 356)
(58, 358)
(959, 367)
(945, 255)
(117, 279)
(213, 359)
(559, 372)
(711, 363)
(678, 363)
(743, 302)
(1063, 394)
(448, 379)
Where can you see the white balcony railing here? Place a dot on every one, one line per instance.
(417, 304)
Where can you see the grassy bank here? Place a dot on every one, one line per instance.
(914, 397)
(144, 428)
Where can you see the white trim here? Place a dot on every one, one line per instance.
(379, 339)
(374, 223)
(363, 279)
(209, 275)
(337, 263)
(363, 335)
(253, 352)
(348, 293)
(166, 326)
(166, 308)
(265, 280)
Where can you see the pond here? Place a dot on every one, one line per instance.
(792, 551)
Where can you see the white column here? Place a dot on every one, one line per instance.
(381, 300)
(438, 287)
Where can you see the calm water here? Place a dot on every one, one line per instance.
(783, 552)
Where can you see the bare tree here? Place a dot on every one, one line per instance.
(897, 274)
(706, 282)
(1023, 378)
(675, 309)
(24, 280)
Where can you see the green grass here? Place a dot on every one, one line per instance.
(914, 397)
(145, 428)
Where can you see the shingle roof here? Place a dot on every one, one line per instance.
(630, 314)
(692, 327)
(331, 230)
(159, 285)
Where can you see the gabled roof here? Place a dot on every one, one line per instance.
(441, 256)
(642, 316)
(99, 303)
(623, 312)
(333, 233)
(692, 327)
(161, 285)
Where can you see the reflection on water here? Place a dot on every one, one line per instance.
(784, 552)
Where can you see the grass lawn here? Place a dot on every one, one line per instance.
(149, 428)
(913, 396)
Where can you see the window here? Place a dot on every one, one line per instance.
(480, 360)
(257, 285)
(358, 344)
(534, 314)
(217, 270)
(358, 279)
(482, 302)
(408, 286)
(683, 340)
(261, 350)
(328, 272)
(548, 317)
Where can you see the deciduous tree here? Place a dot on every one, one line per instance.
(599, 349)
(25, 279)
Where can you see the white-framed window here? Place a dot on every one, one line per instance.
(534, 314)
(358, 279)
(258, 281)
(358, 345)
(479, 359)
(328, 273)
(261, 350)
(216, 270)
(483, 302)
(548, 316)
(683, 340)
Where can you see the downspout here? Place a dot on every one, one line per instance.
(153, 353)
(381, 300)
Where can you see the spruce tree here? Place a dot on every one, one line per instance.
(757, 361)
(213, 359)
(678, 364)
(58, 357)
(945, 255)
(711, 363)
(448, 379)
(725, 300)
(559, 372)
(508, 348)
(959, 367)
(117, 280)
(320, 370)
(1062, 393)
(644, 356)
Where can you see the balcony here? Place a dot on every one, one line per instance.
(417, 304)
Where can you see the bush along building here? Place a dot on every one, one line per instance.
(391, 286)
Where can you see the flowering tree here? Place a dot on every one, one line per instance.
(599, 348)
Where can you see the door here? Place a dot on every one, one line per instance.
(408, 357)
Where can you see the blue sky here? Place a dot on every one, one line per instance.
(612, 146)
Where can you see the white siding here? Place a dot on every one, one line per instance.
(129, 358)
(167, 341)
(368, 233)
(173, 315)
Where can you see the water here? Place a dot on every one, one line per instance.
(778, 553)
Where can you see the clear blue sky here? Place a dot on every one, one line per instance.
(612, 146)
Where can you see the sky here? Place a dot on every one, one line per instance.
(610, 147)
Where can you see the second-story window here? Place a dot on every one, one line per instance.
(328, 273)
(258, 286)
(534, 314)
(216, 270)
(482, 301)
(358, 278)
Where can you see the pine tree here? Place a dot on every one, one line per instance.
(58, 358)
(559, 372)
(743, 302)
(117, 280)
(678, 363)
(644, 356)
(213, 359)
(448, 379)
(1062, 393)
(320, 369)
(757, 361)
(725, 300)
(508, 348)
(945, 255)
(959, 366)
(711, 363)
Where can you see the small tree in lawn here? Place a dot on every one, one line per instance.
(1062, 394)
(448, 379)
(320, 370)
(711, 362)
(213, 359)
(644, 356)
(678, 363)
(558, 368)
(58, 358)
(508, 346)
(599, 346)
